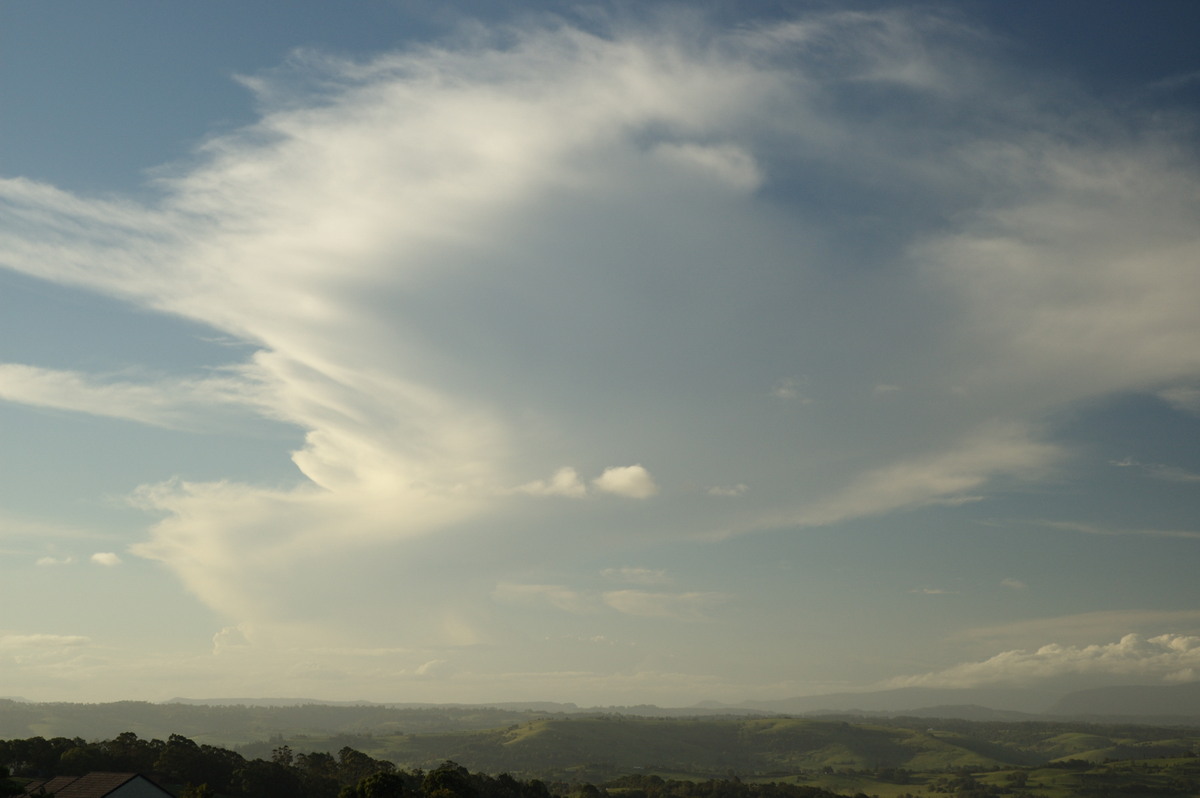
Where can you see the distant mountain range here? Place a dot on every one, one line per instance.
(1154, 701)
(1140, 703)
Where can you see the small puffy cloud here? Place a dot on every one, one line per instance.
(729, 491)
(1164, 657)
(1013, 584)
(675, 606)
(788, 389)
(48, 562)
(230, 638)
(639, 576)
(565, 482)
(632, 482)
(106, 558)
(933, 591)
(433, 669)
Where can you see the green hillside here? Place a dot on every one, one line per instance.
(842, 754)
(604, 747)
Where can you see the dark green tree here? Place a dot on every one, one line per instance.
(448, 780)
(378, 785)
(261, 779)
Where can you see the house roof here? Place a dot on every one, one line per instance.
(93, 785)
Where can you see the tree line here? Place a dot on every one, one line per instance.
(203, 770)
(206, 771)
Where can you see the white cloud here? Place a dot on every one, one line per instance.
(789, 389)
(1158, 470)
(1164, 657)
(166, 403)
(52, 561)
(946, 478)
(41, 641)
(694, 606)
(728, 490)
(105, 558)
(230, 638)
(640, 576)
(685, 606)
(1013, 584)
(434, 668)
(633, 482)
(43, 651)
(1092, 529)
(565, 482)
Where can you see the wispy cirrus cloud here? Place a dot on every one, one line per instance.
(1159, 470)
(641, 576)
(175, 403)
(50, 651)
(950, 477)
(691, 606)
(1093, 529)
(668, 605)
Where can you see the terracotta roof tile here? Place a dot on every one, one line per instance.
(93, 785)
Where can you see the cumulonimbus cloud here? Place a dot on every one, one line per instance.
(462, 266)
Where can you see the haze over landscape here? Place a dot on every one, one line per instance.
(602, 353)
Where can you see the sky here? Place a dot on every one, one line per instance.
(609, 353)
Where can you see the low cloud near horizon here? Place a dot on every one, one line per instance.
(1166, 659)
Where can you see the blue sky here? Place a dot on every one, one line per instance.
(604, 353)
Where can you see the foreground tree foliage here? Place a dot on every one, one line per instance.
(205, 771)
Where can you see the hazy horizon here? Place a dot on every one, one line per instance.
(606, 353)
